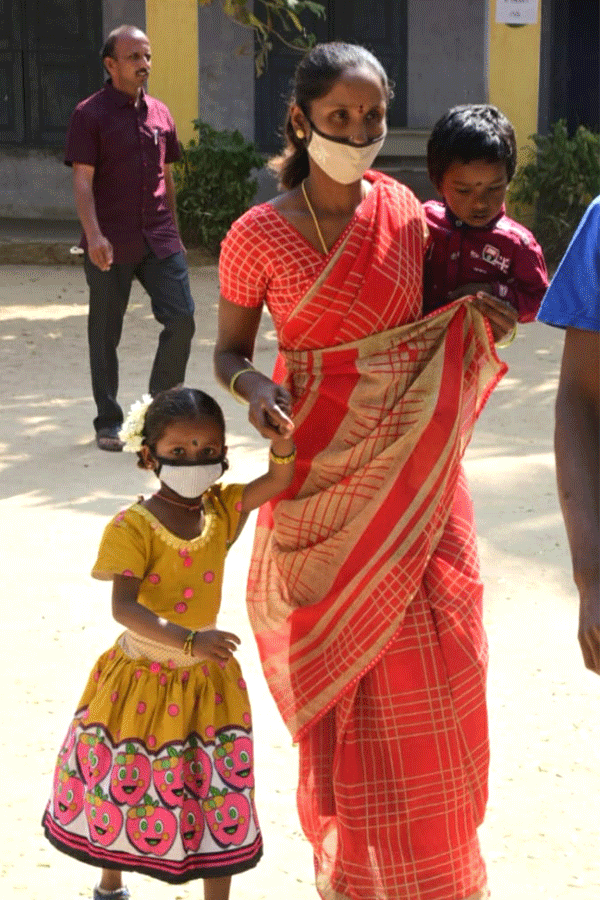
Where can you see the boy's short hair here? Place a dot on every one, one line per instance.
(468, 133)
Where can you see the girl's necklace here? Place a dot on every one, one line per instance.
(315, 220)
(191, 507)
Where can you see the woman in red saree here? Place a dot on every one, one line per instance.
(364, 591)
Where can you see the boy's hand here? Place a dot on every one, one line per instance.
(470, 290)
(215, 645)
(501, 315)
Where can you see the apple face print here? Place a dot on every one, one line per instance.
(130, 777)
(68, 795)
(168, 776)
(150, 828)
(191, 825)
(197, 769)
(94, 758)
(105, 820)
(233, 760)
(227, 816)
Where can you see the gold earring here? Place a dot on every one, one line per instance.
(300, 134)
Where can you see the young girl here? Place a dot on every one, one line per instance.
(156, 772)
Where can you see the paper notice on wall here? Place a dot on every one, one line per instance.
(517, 12)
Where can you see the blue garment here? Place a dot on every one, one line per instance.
(573, 298)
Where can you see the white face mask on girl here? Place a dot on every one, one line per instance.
(340, 160)
(189, 480)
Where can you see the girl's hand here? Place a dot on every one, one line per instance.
(270, 407)
(217, 646)
(502, 316)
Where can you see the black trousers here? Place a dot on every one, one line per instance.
(167, 283)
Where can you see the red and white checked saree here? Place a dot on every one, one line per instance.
(364, 589)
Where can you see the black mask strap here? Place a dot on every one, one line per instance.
(342, 140)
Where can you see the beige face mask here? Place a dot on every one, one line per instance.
(341, 160)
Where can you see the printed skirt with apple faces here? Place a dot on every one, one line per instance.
(156, 772)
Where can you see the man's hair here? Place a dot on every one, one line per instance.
(468, 133)
(108, 48)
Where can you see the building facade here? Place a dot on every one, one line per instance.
(437, 54)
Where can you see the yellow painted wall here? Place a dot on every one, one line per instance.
(172, 27)
(514, 74)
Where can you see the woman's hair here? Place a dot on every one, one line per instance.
(176, 405)
(468, 133)
(315, 75)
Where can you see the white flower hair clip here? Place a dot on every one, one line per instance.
(132, 430)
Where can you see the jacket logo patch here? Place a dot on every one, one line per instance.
(492, 256)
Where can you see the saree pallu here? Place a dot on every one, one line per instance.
(365, 599)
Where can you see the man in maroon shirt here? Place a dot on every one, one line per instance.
(121, 143)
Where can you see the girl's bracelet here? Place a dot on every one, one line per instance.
(282, 460)
(234, 378)
(188, 644)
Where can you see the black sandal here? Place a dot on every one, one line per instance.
(108, 439)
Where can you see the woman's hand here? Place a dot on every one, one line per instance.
(270, 404)
(269, 411)
(502, 316)
(215, 645)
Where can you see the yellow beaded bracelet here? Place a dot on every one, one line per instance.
(188, 644)
(282, 460)
(234, 378)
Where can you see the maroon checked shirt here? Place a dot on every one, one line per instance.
(502, 253)
(128, 147)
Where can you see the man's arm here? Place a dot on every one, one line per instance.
(100, 249)
(577, 466)
(171, 197)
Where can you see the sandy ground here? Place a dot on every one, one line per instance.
(541, 835)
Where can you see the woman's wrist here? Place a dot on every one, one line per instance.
(241, 373)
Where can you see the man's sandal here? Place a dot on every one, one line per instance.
(108, 439)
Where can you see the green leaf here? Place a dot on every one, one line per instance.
(559, 179)
(215, 186)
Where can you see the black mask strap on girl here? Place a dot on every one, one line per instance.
(165, 461)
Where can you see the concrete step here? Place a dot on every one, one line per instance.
(55, 242)
(38, 241)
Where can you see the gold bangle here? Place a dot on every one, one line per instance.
(509, 339)
(188, 644)
(282, 460)
(234, 378)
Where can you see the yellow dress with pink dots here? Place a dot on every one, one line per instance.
(156, 772)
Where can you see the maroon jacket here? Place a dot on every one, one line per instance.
(502, 253)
